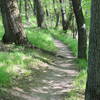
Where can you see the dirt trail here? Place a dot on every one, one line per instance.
(50, 84)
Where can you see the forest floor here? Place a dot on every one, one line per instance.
(52, 81)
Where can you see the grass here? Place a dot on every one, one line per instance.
(41, 38)
(38, 37)
(16, 62)
(82, 64)
(79, 87)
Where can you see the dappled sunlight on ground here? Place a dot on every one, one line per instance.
(46, 81)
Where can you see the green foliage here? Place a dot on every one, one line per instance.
(5, 77)
(18, 63)
(82, 64)
(41, 38)
(80, 83)
(10, 64)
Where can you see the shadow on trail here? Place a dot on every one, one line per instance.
(51, 83)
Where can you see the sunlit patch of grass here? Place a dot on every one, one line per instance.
(11, 64)
(31, 22)
(80, 83)
(5, 77)
(19, 63)
(41, 38)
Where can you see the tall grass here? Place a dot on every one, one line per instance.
(41, 38)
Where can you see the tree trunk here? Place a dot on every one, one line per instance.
(57, 14)
(93, 80)
(26, 10)
(70, 16)
(12, 23)
(39, 13)
(64, 18)
(82, 38)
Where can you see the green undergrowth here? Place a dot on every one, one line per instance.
(79, 87)
(18, 63)
(79, 83)
(41, 38)
(37, 36)
(82, 64)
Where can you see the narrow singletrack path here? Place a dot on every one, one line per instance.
(52, 83)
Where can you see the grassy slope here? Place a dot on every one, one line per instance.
(41, 38)
(16, 60)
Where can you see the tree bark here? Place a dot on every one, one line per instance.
(26, 10)
(82, 37)
(39, 13)
(93, 80)
(57, 14)
(12, 23)
(63, 13)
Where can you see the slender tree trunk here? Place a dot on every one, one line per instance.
(12, 23)
(39, 13)
(32, 6)
(26, 10)
(82, 38)
(64, 18)
(57, 14)
(93, 80)
(70, 15)
(57, 19)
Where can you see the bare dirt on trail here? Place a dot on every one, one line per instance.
(53, 83)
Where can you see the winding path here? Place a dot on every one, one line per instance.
(53, 83)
